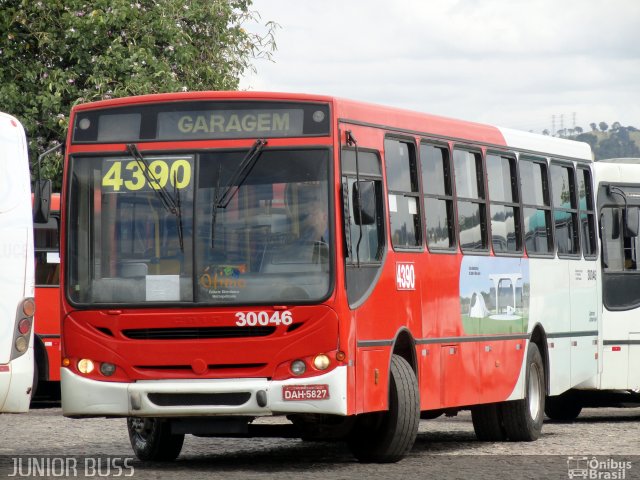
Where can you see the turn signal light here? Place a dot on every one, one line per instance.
(29, 307)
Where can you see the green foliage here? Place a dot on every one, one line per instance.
(56, 53)
(617, 142)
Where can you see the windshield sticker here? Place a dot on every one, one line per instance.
(130, 175)
(223, 282)
(494, 295)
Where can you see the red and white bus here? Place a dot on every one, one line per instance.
(232, 255)
(47, 297)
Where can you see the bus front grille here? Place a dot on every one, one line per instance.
(189, 333)
(199, 399)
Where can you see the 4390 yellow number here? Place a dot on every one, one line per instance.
(130, 175)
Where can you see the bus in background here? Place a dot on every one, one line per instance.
(47, 297)
(17, 306)
(231, 255)
(617, 191)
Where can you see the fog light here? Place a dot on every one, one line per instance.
(85, 366)
(107, 369)
(21, 344)
(321, 362)
(298, 367)
(24, 326)
(29, 307)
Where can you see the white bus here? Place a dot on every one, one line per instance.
(617, 321)
(16, 269)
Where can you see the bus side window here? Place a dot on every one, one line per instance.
(587, 213)
(613, 240)
(504, 204)
(438, 197)
(471, 200)
(534, 182)
(565, 209)
(404, 195)
(368, 247)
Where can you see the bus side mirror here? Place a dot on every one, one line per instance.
(615, 224)
(364, 202)
(41, 201)
(631, 222)
(603, 243)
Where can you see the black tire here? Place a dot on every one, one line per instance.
(487, 423)
(36, 380)
(386, 437)
(522, 419)
(152, 440)
(563, 408)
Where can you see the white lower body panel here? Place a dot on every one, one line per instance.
(16, 384)
(86, 397)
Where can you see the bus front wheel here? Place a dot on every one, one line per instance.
(385, 437)
(152, 440)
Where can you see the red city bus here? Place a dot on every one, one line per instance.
(47, 297)
(231, 255)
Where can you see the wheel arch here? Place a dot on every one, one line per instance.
(404, 345)
(539, 337)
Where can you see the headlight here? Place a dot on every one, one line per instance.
(298, 367)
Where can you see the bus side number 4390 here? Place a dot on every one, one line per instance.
(405, 276)
(263, 319)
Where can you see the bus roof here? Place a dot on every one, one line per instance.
(400, 120)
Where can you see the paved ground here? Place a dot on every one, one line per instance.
(445, 448)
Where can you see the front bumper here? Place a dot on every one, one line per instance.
(82, 397)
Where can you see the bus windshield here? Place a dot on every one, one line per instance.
(268, 245)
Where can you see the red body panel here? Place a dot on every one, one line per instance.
(47, 318)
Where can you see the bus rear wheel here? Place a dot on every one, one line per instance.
(522, 419)
(386, 437)
(152, 440)
(487, 423)
(563, 408)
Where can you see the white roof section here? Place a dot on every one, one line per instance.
(547, 145)
(618, 170)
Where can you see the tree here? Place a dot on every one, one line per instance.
(593, 126)
(578, 130)
(603, 126)
(59, 53)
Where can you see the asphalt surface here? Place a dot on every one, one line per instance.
(601, 443)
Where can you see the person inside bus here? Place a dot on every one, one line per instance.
(314, 220)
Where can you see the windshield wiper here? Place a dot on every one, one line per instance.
(241, 174)
(222, 198)
(171, 204)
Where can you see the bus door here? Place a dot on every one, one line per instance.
(620, 286)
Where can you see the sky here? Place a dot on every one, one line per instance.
(511, 63)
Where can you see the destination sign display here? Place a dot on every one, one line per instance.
(231, 124)
(207, 120)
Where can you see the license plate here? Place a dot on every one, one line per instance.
(305, 392)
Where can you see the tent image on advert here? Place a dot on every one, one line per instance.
(477, 307)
